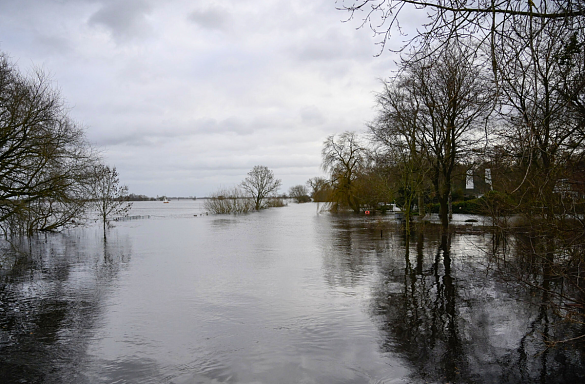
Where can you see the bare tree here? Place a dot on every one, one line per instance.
(299, 193)
(320, 189)
(110, 198)
(260, 184)
(395, 131)
(430, 116)
(541, 89)
(344, 158)
(481, 20)
(45, 161)
(535, 54)
(228, 201)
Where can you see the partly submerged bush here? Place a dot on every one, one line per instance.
(302, 199)
(228, 201)
(273, 202)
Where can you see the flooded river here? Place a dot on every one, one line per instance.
(286, 295)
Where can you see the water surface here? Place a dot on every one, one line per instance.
(286, 295)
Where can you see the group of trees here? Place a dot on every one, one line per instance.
(259, 190)
(496, 85)
(317, 189)
(49, 174)
(430, 116)
(299, 193)
(483, 85)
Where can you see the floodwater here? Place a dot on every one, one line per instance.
(286, 295)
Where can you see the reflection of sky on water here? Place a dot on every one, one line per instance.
(283, 295)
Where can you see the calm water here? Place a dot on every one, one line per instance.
(285, 295)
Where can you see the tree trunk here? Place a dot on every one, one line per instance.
(421, 206)
(444, 210)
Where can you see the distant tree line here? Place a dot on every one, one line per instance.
(50, 176)
(135, 197)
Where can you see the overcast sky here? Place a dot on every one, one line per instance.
(184, 96)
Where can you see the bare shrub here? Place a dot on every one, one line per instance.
(275, 202)
(229, 201)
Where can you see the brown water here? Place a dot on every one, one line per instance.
(285, 295)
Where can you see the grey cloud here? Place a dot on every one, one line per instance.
(330, 44)
(312, 116)
(125, 19)
(220, 87)
(213, 19)
(231, 124)
(53, 44)
(152, 134)
(135, 139)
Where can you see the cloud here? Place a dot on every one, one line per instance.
(155, 133)
(53, 44)
(312, 116)
(328, 44)
(124, 19)
(212, 18)
(193, 94)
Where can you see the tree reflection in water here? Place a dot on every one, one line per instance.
(449, 313)
(447, 307)
(51, 294)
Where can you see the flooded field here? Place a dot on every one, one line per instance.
(286, 295)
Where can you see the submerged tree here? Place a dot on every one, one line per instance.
(299, 193)
(320, 189)
(541, 87)
(430, 117)
(399, 150)
(110, 198)
(530, 57)
(45, 161)
(344, 158)
(228, 201)
(261, 184)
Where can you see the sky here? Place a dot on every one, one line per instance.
(184, 97)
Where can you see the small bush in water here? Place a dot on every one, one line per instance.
(228, 201)
(275, 202)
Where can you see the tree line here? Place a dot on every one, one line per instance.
(496, 88)
(50, 176)
(489, 88)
